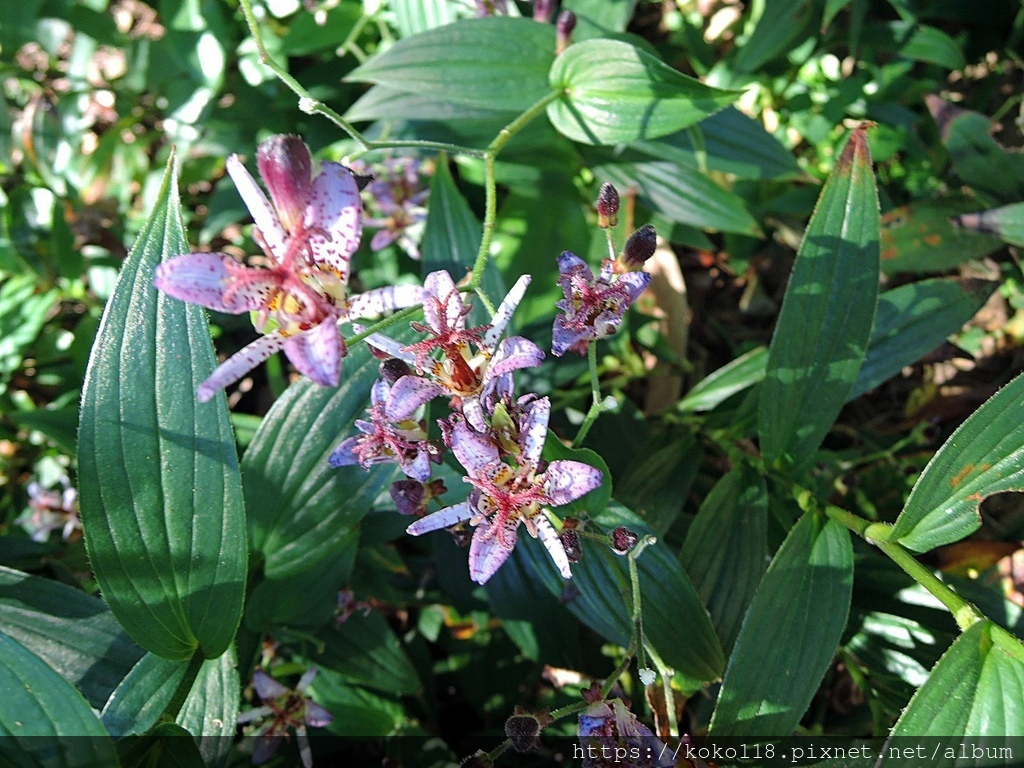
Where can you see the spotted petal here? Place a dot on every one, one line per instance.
(317, 716)
(514, 353)
(503, 314)
(442, 296)
(443, 518)
(535, 430)
(553, 544)
(380, 300)
(286, 169)
(564, 338)
(390, 347)
(204, 279)
(473, 451)
(635, 282)
(487, 554)
(567, 480)
(317, 353)
(569, 263)
(267, 688)
(239, 364)
(419, 467)
(344, 455)
(336, 212)
(262, 212)
(408, 394)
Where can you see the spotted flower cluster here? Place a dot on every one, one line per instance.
(283, 710)
(397, 196)
(308, 230)
(610, 735)
(498, 439)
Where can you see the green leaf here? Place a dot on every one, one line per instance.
(922, 238)
(609, 17)
(790, 633)
(729, 142)
(779, 25)
(600, 596)
(160, 491)
(823, 329)
(594, 501)
(72, 632)
(299, 506)
(23, 313)
(37, 702)
(916, 41)
(140, 699)
(726, 548)
(978, 159)
(914, 319)
(976, 690)
(384, 102)
(357, 712)
(983, 457)
(496, 63)
(683, 194)
(415, 16)
(745, 371)
(613, 92)
(365, 650)
(1006, 223)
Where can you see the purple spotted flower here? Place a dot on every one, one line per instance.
(397, 202)
(511, 490)
(51, 510)
(472, 361)
(283, 709)
(383, 441)
(610, 735)
(308, 232)
(593, 307)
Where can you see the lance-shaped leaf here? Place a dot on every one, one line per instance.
(1006, 223)
(726, 548)
(71, 631)
(492, 63)
(160, 490)
(984, 456)
(823, 329)
(718, 386)
(37, 702)
(790, 633)
(976, 690)
(613, 92)
(300, 507)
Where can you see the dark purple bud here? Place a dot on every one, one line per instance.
(523, 729)
(563, 27)
(392, 369)
(623, 540)
(607, 206)
(571, 545)
(543, 10)
(410, 497)
(287, 170)
(640, 247)
(362, 179)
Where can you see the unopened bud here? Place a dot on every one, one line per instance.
(523, 729)
(392, 369)
(623, 540)
(563, 27)
(543, 10)
(410, 497)
(607, 206)
(362, 179)
(287, 170)
(640, 247)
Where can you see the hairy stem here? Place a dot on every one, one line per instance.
(595, 394)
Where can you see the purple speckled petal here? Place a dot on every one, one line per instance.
(503, 313)
(262, 212)
(204, 279)
(564, 338)
(382, 239)
(286, 168)
(306, 679)
(317, 716)
(635, 282)
(239, 364)
(567, 480)
(513, 354)
(535, 431)
(570, 262)
(553, 544)
(334, 209)
(408, 394)
(487, 555)
(471, 449)
(443, 518)
(381, 300)
(317, 353)
(344, 455)
(388, 346)
(379, 392)
(447, 299)
(473, 410)
(267, 688)
(419, 467)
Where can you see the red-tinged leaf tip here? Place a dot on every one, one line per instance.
(856, 151)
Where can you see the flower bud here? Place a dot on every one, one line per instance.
(639, 247)
(362, 179)
(392, 369)
(542, 10)
(571, 545)
(607, 206)
(623, 540)
(523, 729)
(563, 27)
(409, 496)
(287, 170)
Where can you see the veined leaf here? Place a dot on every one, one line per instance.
(922, 238)
(160, 491)
(983, 457)
(37, 702)
(495, 63)
(790, 633)
(823, 329)
(718, 386)
(1006, 223)
(613, 92)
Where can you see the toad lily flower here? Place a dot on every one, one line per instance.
(309, 234)
(592, 308)
(462, 373)
(507, 493)
(283, 709)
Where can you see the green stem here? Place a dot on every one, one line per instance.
(670, 699)
(569, 709)
(595, 393)
(380, 325)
